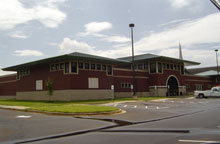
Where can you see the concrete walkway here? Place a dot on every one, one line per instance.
(14, 107)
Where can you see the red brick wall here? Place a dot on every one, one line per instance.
(161, 79)
(191, 81)
(8, 85)
(80, 81)
(63, 81)
(122, 76)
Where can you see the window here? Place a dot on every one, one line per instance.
(135, 66)
(145, 66)
(25, 72)
(175, 67)
(209, 86)
(168, 66)
(61, 66)
(171, 66)
(39, 84)
(198, 86)
(164, 66)
(57, 67)
(153, 68)
(187, 86)
(217, 78)
(140, 66)
(122, 85)
(182, 70)
(125, 85)
(80, 65)
(52, 67)
(104, 67)
(178, 67)
(109, 71)
(87, 66)
(74, 67)
(93, 83)
(215, 90)
(160, 68)
(93, 66)
(18, 75)
(67, 67)
(98, 67)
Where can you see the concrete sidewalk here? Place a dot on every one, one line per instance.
(13, 107)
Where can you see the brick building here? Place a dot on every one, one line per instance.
(79, 76)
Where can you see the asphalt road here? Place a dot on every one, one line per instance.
(178, 121)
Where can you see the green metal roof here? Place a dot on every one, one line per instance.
(94, 58)
(152, 56)
(71, 56)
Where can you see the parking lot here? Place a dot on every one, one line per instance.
(182, 121)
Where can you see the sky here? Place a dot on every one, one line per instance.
(36, 29)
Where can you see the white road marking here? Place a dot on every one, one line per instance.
(172, 101)
(198, 141)
(181, 101)
(23, 116)
(163, 107)
(219, 126)
(135, 106)
(204, 102)
(191, 102)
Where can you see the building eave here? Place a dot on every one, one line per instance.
(72, 56)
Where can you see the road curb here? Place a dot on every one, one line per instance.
(26, 109)
(78, 114)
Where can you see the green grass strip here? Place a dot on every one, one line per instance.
(76, 109)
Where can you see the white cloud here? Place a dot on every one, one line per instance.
(94, 29)
(205, 57)
(13, 13)
(27, 53)
(68, 46)
(192, 6)
(174, 22)
(119, 39)
(192, 34)
(18, 34)
(180, 3)
(199, 31)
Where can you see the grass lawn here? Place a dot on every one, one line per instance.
(72, 107)
(64, 107)
(75, 108)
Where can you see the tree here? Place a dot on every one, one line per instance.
(49, 85)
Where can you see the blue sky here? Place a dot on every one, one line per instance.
(37, 29)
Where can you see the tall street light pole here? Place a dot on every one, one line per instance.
(216, 50)
(133, 70)
(216, 3)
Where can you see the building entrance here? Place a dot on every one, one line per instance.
(172, 87)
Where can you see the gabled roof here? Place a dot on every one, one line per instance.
(201, 70)
(152, 56)
(207, 73)
(71, 56)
